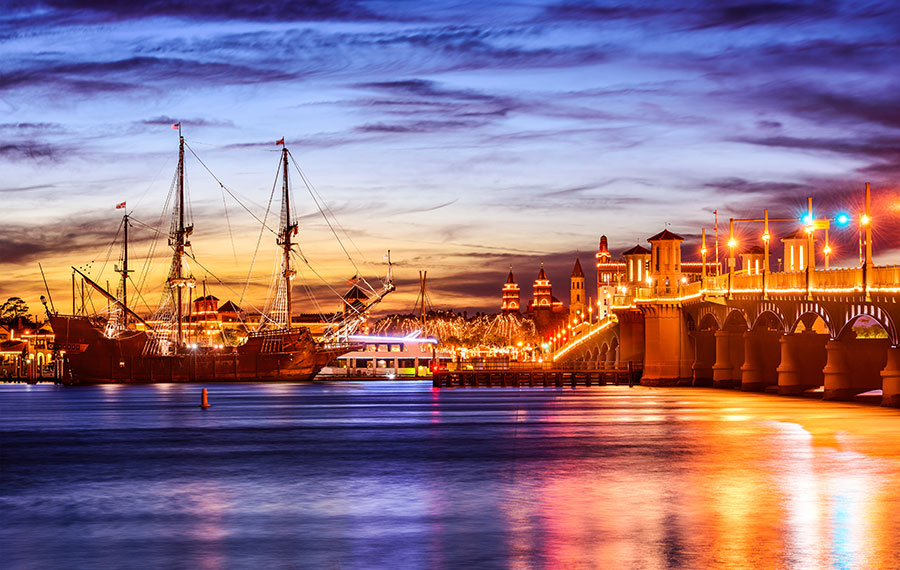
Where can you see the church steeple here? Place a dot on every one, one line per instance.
(510, 300)
(577, 304)
(577, 271)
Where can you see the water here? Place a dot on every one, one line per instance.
(398, 475)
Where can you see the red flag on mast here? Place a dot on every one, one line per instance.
(176, 126)
(120, 205)
(280, 141)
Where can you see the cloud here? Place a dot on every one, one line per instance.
(26, 188)
(879, 108)
(78, 237)
(691, 15)
(132, 73)
(737, 185)
(166, 120)
(742, 13)
(54, 128)
(883, 152)
(34, 151)
(277, 11)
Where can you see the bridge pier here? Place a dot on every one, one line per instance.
(704, 357)
(802, 360)
(890, 378)
(761, 358)
(668, 353)
(853, 366)
(723, 369)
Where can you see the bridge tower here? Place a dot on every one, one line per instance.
(753, 260)
(665, 262)
(668, 351)
(577, 303)
(510, 301)
(637, 266)
(796, 252)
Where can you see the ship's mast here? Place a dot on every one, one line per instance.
(178, 241)
(285, 232)
(125, 271)
(179, 232)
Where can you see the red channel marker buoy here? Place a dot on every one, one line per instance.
(204, 400)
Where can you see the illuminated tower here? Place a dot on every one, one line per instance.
(510, 302)
(637, 264)
(665, 262)
(577, 304)
(796, 251)
(604, 276)
(753, 260)
(542, 296)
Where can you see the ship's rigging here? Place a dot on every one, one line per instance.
(168, 334)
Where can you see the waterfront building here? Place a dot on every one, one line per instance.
(610, 272)
(547, 311)
(510, 301)
(610, 275)
(577, 301)
(26, 350)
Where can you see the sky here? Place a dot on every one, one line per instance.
(463, 136)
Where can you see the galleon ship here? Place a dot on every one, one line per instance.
(123, 347)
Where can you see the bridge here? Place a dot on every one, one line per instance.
(786, 332)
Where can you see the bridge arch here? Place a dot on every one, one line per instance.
(709, 322)
(809, 308)
(736, 318)
(602, 352)
(856, 312)
(768, 310)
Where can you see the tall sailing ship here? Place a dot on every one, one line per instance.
(125, 348)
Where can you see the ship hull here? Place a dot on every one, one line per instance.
(92, 358)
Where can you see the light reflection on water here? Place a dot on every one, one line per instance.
(397, 474)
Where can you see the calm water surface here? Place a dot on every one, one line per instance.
(399, 475)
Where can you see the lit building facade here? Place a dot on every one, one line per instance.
(510, 302)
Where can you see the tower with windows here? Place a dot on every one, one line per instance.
(510, 301)
(542, 296)
(577, 302)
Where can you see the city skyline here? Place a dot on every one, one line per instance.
(464, 138)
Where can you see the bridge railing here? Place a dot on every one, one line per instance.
(887, 276)
(717, 283)
(788, 280)
(839, 278)
(744, 281)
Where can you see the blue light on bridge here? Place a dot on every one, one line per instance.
(807, 219)
(842, 219)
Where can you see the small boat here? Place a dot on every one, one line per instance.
(126, 348)
(389, 357)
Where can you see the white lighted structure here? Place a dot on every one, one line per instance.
(389, 357)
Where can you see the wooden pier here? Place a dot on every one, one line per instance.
(549, 377)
